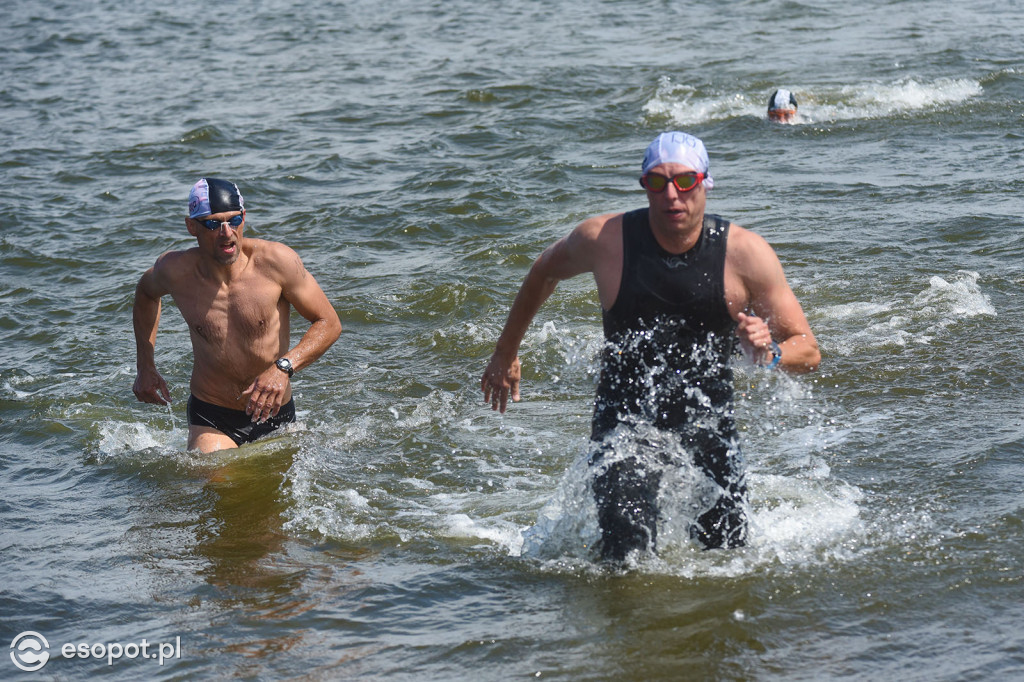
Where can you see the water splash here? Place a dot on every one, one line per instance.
(796, 519)
(959, 299)
(798, 513)
(116, 439)
(684, 105)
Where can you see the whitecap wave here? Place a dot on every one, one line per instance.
(918, 318)
(683, 105)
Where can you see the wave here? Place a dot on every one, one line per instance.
(916, 318)
(685, 105)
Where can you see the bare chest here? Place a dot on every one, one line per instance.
(245, 311)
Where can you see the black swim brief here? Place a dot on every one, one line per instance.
(236, 424)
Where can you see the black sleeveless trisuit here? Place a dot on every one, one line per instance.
(669, 339)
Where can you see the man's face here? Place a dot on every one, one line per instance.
(219, 234)
(782, 115)
(672, 208)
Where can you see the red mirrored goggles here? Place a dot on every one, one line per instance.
(684, 182)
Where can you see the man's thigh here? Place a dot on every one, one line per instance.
(207, 439)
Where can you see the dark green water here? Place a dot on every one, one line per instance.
(419, 156)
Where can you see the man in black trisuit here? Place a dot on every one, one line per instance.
(678, 289)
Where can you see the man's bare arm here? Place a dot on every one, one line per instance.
(300, 289)
(309, 300)
(149, 386)
(572, 255)
(774, 311)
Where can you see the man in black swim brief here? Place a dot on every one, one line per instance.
(236, 423)
(236, 295)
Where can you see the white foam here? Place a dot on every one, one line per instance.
(793, 521)
(436, 407)
(917, 319)
(344, 513)
(961, 298)
(797, 520)
(495, 531)
(906, 95)
(120, 438)
(799, 514)
(683, 105)
(11, 384)
(856, 309)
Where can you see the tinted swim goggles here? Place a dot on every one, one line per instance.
(212, 225)
(684, 182)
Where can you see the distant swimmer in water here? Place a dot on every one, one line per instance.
(236, 295)
(678, 289)
(782, 106)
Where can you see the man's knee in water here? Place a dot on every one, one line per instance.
(724, 525)
(626, 494)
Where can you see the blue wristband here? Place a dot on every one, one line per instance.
(776, 356)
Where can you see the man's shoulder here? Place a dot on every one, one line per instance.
(274, 260)
(742, 238)
(601, 232)
(268, 250)
(176, 259)
(599, 225)
(749, 251)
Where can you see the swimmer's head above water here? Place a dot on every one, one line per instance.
(782, 106)
(213, 195)
(677, 147)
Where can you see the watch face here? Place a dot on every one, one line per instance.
(285, 365)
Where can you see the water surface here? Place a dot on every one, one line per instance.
(419, 157)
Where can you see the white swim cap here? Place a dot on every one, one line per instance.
(676, 147)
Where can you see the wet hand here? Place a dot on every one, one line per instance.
(150, 387)
(755, 337)
(266, 394)
(501, 380)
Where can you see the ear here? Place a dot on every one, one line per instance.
(189, 225)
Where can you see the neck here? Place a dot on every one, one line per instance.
(213, 269)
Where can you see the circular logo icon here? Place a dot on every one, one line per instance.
(29, 651)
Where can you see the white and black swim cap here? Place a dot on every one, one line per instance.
(782, 100)
(213, 195)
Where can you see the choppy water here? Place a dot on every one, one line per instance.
(419, 156)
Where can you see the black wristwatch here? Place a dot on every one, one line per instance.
(285, 365)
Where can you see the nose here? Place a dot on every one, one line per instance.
(226, 228)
